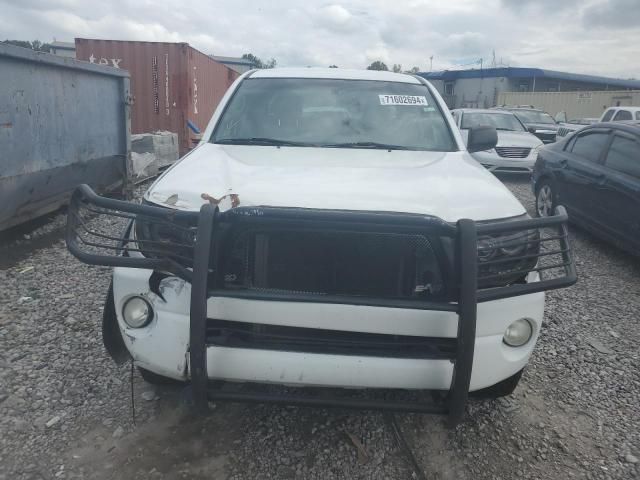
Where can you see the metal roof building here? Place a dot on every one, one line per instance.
(479, 88)
(63, 49)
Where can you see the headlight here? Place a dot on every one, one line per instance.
(518, 333)
(535, 151)
(165, 238)
(508, 258)
(137, 312)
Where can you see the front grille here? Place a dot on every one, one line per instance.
(564, 131)
(513, 152)
(334, 263)
(224, 333)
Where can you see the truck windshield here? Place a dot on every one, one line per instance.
(334, 113)
(501, 121)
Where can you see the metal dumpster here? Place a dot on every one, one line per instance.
(62, 123)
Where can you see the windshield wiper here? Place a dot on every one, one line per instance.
(383, 146)
(291, 143)
(261, 141)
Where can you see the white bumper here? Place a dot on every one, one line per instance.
(162, 346)
(495, 163)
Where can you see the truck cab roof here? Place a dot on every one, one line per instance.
(335, 73)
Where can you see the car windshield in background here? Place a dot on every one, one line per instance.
(583, 121)
(501, 121)
(531, 116)
(334, 113)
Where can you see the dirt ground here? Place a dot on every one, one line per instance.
(65, 408)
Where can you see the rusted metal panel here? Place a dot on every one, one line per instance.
(208, 82)
(172, 83)
(62, 123)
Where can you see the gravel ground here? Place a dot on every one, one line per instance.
(65, 408)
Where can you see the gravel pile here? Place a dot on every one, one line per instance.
(65, 407)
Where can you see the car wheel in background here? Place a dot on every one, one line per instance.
(546, 200)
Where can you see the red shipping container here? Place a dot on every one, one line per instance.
(171, 83)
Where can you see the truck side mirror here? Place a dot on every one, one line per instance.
(481, 138)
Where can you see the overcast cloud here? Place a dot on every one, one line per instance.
(585, 36)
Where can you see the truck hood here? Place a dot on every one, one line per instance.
(449, 185)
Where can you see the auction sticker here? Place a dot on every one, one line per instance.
(403, 100)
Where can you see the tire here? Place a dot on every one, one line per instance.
(546, 198)
(155, 379)
(500, 389)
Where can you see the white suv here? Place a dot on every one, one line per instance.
(517, 148)
(330, 230)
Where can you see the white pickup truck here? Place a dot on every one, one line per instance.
(611, 114)
(332, 232)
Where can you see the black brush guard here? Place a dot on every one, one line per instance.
(90, 245)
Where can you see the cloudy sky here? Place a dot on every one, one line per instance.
(585, 36)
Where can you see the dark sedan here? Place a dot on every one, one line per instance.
(540, 123)
(595, 174)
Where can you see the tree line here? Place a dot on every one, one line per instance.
(377, 65)
(36, 45)
(397, 68)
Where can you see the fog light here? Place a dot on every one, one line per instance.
(137, 312)
(518, 333)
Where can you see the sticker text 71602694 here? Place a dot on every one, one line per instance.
(403, 100)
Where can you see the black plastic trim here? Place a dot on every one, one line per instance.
(111, 335)
(468, 267)
(198, 315)
(259, 336)
(326, 401)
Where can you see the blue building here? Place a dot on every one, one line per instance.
(479, 88)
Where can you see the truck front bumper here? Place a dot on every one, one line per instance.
(163, 345)
(453, 342)
(495, 163)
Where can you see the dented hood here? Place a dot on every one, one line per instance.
(450, 185)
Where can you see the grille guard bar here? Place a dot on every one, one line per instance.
(95, 248)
